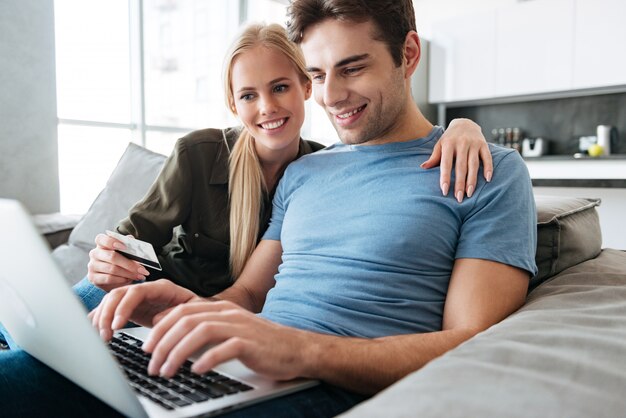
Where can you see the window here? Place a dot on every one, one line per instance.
(146, 71)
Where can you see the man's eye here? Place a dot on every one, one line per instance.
(318, 78)
(352, 70)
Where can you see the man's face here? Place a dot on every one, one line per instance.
(355, 80)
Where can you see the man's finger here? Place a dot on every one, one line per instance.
(166, 322)
(187, 337)
(107, 312)
(228, 350)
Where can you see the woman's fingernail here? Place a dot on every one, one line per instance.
(459, 196)
(143, 271)
(488, 176)
(119, 246)
(444, 189)
(470, 191)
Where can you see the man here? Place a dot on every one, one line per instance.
(364, 274)
(379, 274)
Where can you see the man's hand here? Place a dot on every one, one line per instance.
(143, 304)
(268, 348)
(108, 269)
(464, 143)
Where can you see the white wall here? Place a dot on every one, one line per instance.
(28, 116)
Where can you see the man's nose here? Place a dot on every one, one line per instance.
(335, 91)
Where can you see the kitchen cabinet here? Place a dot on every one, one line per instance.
(537, 48)
(534, 47)
(462, 58)
(600, 36)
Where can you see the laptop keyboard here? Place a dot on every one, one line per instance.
(184, 389)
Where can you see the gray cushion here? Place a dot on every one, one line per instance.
(568, 233)
(560, 355)
(133, 175)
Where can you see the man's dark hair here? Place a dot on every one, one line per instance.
(392, 19)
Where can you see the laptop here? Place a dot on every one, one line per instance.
(46, 319)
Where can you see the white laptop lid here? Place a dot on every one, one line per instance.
(46, 319)
(37, 306)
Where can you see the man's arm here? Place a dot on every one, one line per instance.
(256, 279)
(147, 303)
(481, 293)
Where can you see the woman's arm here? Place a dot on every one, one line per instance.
(464, 144)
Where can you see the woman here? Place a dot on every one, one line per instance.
(211, 168)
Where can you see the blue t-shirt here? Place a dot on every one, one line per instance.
(369, 241)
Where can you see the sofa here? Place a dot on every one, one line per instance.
(563, 354)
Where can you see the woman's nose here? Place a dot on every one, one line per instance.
(268, 104)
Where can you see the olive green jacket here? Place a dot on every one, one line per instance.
(185, 213)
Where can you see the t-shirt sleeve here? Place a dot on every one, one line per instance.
(502, 225)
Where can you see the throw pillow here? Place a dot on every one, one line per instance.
(568, 233)
(134, 174)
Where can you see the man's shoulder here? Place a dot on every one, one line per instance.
(505, 158)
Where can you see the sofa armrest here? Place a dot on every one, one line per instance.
(56, 227)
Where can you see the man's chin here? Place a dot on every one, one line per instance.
(349, 137)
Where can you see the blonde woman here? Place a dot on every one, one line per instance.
(213, 199)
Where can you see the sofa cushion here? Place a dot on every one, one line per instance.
(135, 172)
(560, 355)
(568, 233)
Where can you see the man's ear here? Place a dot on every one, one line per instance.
(412, 53)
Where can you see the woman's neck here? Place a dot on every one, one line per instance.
(274, 162)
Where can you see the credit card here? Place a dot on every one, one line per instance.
(137, 250)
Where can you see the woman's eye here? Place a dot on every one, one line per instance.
(247, 97)
(280, 88)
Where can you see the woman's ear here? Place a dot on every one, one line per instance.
(308, 88)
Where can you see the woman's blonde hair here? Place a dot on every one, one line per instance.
(246, 181)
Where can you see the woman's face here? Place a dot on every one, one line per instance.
(269, 96)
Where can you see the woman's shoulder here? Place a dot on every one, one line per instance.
(312, 146)
(210, 137)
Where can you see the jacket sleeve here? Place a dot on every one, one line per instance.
(166, 204)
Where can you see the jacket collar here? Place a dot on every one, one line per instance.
(219, 174)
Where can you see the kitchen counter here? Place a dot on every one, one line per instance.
(576, 158)
(568, 171)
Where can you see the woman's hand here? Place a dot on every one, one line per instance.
(463, 143)
(143, 304)
(107, 269)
